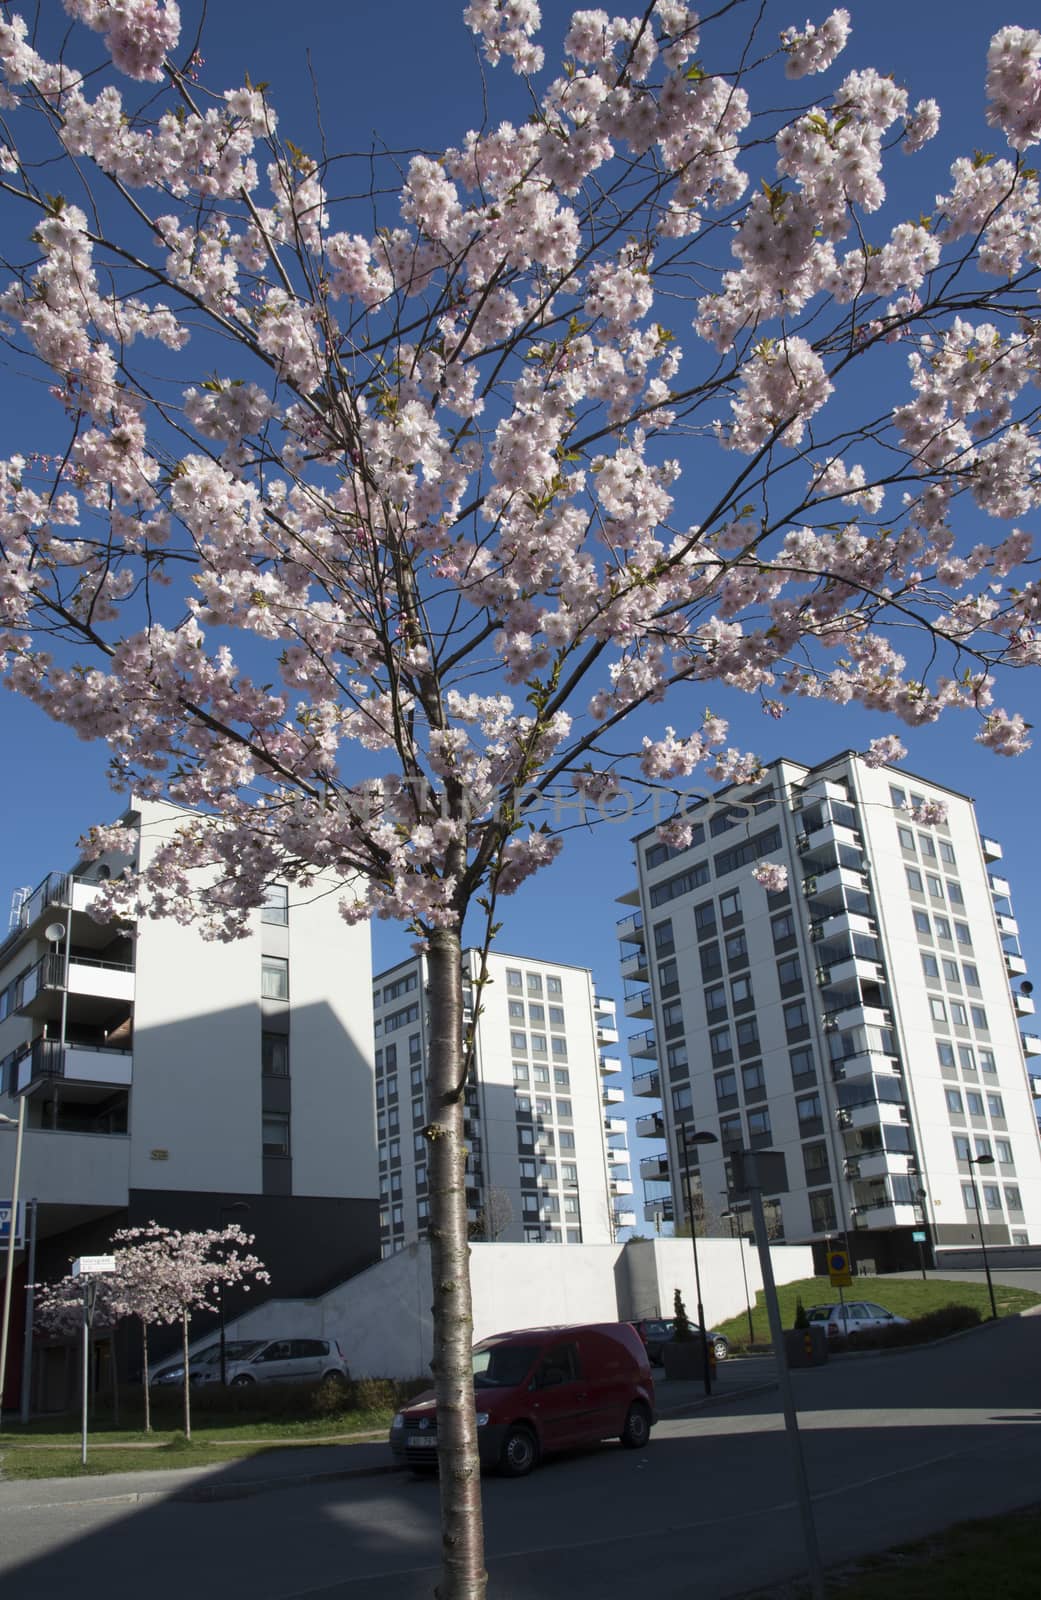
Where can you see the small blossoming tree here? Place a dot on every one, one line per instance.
(413, 507)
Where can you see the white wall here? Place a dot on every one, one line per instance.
(70, 1169)
(382, 1317)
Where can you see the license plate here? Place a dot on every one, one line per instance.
(422, 1441)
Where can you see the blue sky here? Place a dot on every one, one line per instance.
(408, 74)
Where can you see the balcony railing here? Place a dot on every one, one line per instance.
(643, 1046)
(630, 929)
(647, 1084)
(49, 1058)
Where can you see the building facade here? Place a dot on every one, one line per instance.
(171, 1078)
(548, 1153)
(864, 1020)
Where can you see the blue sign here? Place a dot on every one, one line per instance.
(918, 1237)
(5, 1224)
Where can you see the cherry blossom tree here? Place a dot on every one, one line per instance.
(166, 1275)
(412, 504)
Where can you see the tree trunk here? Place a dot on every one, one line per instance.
(187, 1377)
(115, 1380)
(144, 1376)
(462, 1536)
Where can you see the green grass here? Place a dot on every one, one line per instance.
(22, 1461)
(995, 1556)
(905, 1297)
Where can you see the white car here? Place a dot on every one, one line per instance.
(856, 1316)
(284, 1361)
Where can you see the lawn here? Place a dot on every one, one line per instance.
(25, 1461)
(995, 1556)
(905, 1297)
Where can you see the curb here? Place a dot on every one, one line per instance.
(203, 1492)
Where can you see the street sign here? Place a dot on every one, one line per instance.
(5, 1224)
(918, 1237)
(838, 1269)
(87, 1265)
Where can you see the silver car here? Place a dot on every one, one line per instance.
(856, 1316)
(284, 1361)
(205, 1360)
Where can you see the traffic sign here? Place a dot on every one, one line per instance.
(83, 1266)
(5, 1224)
(918, 1237)
(838, 1269)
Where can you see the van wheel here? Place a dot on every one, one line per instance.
(721, 1349)
(637, 1430)
(241, 1380)
(519, 1453)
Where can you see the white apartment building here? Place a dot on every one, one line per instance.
(864, 1021)
(549, 1159)
(168, 1077)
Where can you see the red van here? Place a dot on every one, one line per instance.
(540, 1390)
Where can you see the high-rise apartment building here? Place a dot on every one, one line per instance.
(193, 1082)
(548, 1155)
(864, 1020)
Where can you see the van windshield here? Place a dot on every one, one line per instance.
(500, 1366)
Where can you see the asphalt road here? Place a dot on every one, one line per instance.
(895, 1447)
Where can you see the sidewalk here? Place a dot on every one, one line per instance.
(285, 1464)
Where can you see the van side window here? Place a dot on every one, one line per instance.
(561, 1365)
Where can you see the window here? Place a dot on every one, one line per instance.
(979, 1018)
(537, 1015)
(676, 1055)
(726, 1087)
(672, 1017)
(538, 1044)
(945, 1051)
(276, 904)
(789, 971)
(943, 928)
(992, 1197)
(783, 927)
(906, 838)
(951, 972)
(898, 797)
(968, 1196)
(974, 1102)
(275, 1134)
(959, 1015)
(721, 1044)
(1003, 1152)
(1013, 1198)
(983, 1148)
(564, 1112)
(987, 1061)
(681, 1099)
(962, 1147)
(802, 1065)
(935, 886)
(517, 1010)
(929, 965)
(796, 1016)
(815, 1161)
(759, 1125)
(730, 1132)
(519, 1042)
(963, 933)
(554, 985)
(559, 1045)
(737, 949)
(741, 992)
(966, 1058)
(567, 1138)
(540, 1074)
(715, 1000)
(274, 978)
(682, 883)
(705, 919)
(808, 1107)
(753, 1080)
(996, 1106)
(954, 1101)
(954, 893)
(922, 924)
(520, 1072)
(534, 983)
(664, 943)
(971, 975)
(568, 1172)
(938, 1009)
(822, 1212)
(914, 880)
(730, 904)
(711, 961)
(274, 1055)
(513, 979)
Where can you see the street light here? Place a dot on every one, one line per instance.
(982, 1161)
(223, 1211)
(19, 1123)
(697, 1138)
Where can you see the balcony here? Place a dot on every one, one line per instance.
(652, 1124)
(630, 929)
(992, 850)
(606, 1034)
(1024, 1004)
(617, 1158)
(866, 1164)
(1031, 1045)
(843, 923)
(834, 883)
(631, 897)
(644, 1046)
(654, 1169)
(1007, 925)
(46, 1059)
(612, 1097)
(624, 1217)
(647, 1085)
(872, 1113)
(620, 1186)
(851, 971)
(634, 967)
(885, 1213)
(60, 891)
(828, 836)
(615, 1125)
(1015, 966)
(610, 1065)
(640, 1004)
(866, 1064)
(95, 984)
(999, 886)
(858, 1016)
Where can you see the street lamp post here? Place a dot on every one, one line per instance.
(983, 1161)
(697, 1138)
(236, 1205)
(19, 1124)
(735, 1233)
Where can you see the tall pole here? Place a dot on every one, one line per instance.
(705, 1372)
(12, 1230)
(30, 1295)
(784, 1382)
(85, 1373)
(983, 1242)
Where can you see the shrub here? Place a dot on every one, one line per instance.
(801, 1319)
(682, 1332)
(922, 1330)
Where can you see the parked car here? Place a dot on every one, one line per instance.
(541, 1390)
(856, 1316)
(656, 1332)
(237, 1350)
(283, 1361)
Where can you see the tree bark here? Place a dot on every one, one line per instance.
(144, 1376)
(187, 1377)
(462, 1539)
